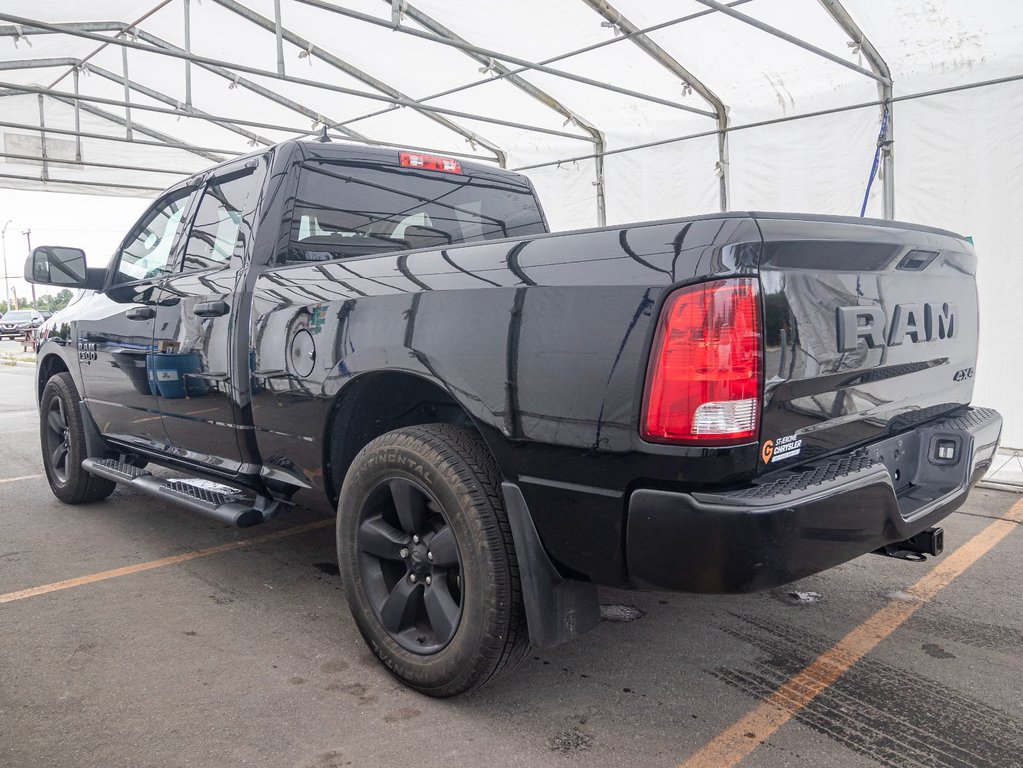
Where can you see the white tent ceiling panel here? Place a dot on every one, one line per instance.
(943, 42)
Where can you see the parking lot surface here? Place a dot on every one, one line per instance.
(134, 633)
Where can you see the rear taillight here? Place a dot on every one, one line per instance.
(704, 381)
(429, 162)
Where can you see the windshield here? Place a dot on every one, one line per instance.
(18, 315)
(350, 209)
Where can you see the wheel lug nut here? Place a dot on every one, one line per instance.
(415, 539)
(429, 581)
(403, 553)
(412, 578)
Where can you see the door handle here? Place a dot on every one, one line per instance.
(140, 313)
(211, 309)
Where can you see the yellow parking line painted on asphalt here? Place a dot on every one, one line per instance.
(739, 740)
(22, 477)
(127, 570)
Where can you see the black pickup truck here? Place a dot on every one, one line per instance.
(504, 418)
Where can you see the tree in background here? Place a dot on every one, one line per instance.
(54, 303)
(45, 303)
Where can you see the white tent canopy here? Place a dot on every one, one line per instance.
(619, 111)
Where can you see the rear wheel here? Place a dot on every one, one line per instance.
(427, 560)
(62, 437)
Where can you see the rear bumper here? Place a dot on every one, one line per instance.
(792, 524)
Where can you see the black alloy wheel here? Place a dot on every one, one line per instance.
(58, 439)
(427, 560)
(410, 564)
(62, 438)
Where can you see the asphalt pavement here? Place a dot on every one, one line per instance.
(247, 656)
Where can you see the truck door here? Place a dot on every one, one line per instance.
(202, 360)
(115, 336)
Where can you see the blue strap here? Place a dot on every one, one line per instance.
(877, 161)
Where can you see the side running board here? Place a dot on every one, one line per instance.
(219, 502)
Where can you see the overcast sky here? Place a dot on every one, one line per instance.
(90, 222)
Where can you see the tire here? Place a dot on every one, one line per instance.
(427, 560)
(62, 437)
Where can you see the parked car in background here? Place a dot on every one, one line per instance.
(17, 321)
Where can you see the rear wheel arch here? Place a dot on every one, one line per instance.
(379, 402)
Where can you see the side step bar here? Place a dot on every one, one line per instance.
(219, 502)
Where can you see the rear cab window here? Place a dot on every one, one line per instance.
(353, 208)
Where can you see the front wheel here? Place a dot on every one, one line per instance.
(427, 560)
(62, 437)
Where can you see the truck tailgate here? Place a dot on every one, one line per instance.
(869, 328)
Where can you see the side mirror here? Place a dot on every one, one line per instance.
(63, 267)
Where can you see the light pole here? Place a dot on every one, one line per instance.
(7, 282)
(28, 235)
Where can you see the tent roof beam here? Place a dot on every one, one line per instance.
(540, 95)
(119, 139)
(490, 53)
(670, 63)
(841, 16)
(551, 60)
(352, 71)
(115, 26)
(799, 43)
(71, 29)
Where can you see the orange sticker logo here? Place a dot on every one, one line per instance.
(767, 451)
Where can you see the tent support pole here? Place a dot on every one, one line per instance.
(527, 87)
(877, 63)
(188, 48)
(280, 37)
(78, 118)
(127, 92)
(42, 140)
(615, 17)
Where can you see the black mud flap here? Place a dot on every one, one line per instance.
(557, 609)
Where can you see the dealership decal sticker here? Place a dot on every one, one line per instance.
(780, 449)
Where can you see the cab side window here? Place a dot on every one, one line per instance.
(221, 226)
(148, 254)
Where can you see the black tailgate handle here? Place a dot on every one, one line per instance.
(140, 313)
(211, 309)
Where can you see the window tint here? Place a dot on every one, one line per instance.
(219, 226)
(148, 254)
(348, 209)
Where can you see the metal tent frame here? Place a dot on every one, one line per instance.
(133, 37)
